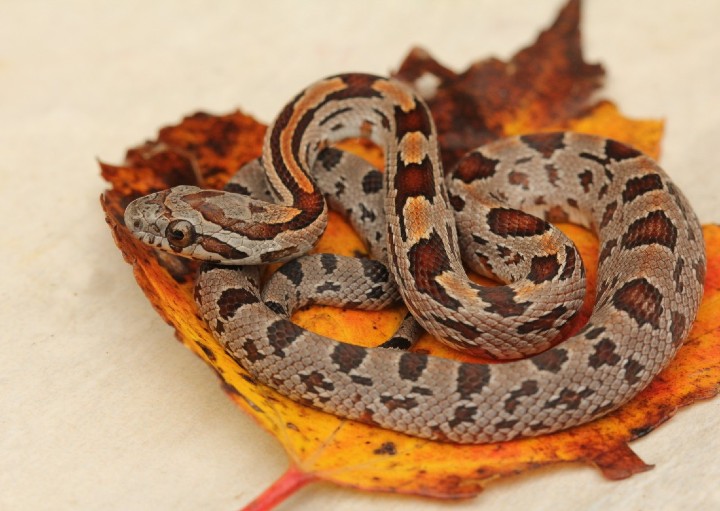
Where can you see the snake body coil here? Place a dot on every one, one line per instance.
(650, 276)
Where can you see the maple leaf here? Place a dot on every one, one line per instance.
(544, 87)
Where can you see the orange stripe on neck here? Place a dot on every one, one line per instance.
(311, 98)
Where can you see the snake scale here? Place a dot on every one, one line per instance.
(492, 210)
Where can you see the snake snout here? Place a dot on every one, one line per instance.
(133, 217)
(141, 218)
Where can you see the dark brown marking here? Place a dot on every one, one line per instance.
(618, 151)
(276, 307)
(553, 175)
(586, 180)
(428, 260)
(607, 249)
(366, 214)
(484, 261)
(638, 186)
(457, 202)
(393, 403)
(330, 158)
(361, 380)
(328, 263)
(276, 255)
(700, 269)
(569, 399)
(539, 426)
(654, 229)
(520, 179)
(366, 128)
(411, 366)
(281, 334)
(551, 361)
(603, 191)
(641, 301)
(517, 258)
(479, 240)
(384, 121)
(545, 143)
(232, 299)
(465, 330)
(372, 182)
(475, 166)
(512, 222)
(608, 214)
(595, 332)
(293, 271)
(348, 356)
(375, 292)
(236, 188)
(335, 114)
(633, 368)
(557, 214)
(570, 260)
(220, 247)
(543, 268)
(506, 424)
(604, 354)
(572, 203)
(463, 414)
(593, 157)
(315, 383)
(328, 287)
(677, 328)
(421, 391)
(396, 343)
(608, 174)
(375, 271)
(603, 287)
(251, 351)
(502, 301)
(472, 378)
(417, 119)
(527, 388)
(677, 274)
(544, 322)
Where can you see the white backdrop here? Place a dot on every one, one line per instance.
(100, 408)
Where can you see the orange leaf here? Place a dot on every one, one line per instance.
(545, 87)
(206, 150)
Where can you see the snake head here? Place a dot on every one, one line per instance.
(216, 226)
(166, 220)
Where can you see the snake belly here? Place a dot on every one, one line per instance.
(650, 275)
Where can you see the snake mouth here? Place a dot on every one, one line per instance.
(148, 239)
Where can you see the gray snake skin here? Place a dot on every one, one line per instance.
(488, 211)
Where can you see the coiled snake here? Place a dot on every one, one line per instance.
(650, 276)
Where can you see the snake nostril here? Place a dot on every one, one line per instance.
(137, 224)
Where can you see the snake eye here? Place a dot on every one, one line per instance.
(180, 234)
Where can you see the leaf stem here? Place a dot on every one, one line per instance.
(291, 481)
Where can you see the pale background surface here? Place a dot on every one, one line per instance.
(100, 408)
